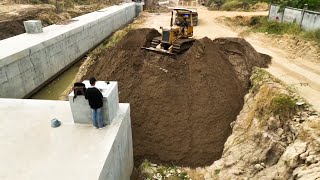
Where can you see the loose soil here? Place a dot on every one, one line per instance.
(12, 17)
(297, 67)
(181, 106)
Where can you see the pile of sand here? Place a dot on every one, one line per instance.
(181, 106)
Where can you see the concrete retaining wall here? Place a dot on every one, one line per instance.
(28, 61)
(274, 13)
(292, 15)
(309, 20)
(119, 161)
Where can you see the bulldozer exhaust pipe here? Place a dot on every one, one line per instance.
(191, 19)
(171, 23)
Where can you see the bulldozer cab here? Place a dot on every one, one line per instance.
(182, 23)
(190, 15)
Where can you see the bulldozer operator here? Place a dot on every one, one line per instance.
(183, 23)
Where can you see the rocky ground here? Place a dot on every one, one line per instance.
(276, 136)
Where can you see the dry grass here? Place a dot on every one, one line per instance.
(271, 99)
(310, 131)
(194, 174)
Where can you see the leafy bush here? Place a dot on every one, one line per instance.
(257, 20)
(312, 4)
(283, 105)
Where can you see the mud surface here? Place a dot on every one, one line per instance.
(181, 106)
(11, 23)
(11, 28)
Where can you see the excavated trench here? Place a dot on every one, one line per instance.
(181, 106)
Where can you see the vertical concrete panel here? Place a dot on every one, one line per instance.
(274, 13)
(81, 111)
(27, 74)
(311, 20)
(14, 79)
(292, 15)
(5, 89)
(19, 89)
(3, 77)
(27, 78)
(112, 102)
(24, 64)
(80, 108)
(12, 70)
(138, 9)
(38, 75)
(119, 162)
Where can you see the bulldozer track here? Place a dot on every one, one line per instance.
(179, 45)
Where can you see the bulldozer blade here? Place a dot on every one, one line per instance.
(158, 50)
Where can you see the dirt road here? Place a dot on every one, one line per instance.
(301, 71)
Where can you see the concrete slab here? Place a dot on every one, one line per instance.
(31, 150)
(33, 26)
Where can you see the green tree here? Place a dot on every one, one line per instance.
(312, 4)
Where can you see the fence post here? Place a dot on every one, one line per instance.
(270, 3)
(303, 12)
(282, 14)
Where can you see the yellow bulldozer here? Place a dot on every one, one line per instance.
(175, 40)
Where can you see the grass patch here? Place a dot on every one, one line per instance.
(312, 35)
(272, 99)
(259, 77)
(231, 5)
(111, 42)
(261, 24)
(283, 105)
(117, 36)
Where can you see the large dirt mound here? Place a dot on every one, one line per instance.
(181, 107)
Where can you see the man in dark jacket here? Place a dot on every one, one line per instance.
(94, 96)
